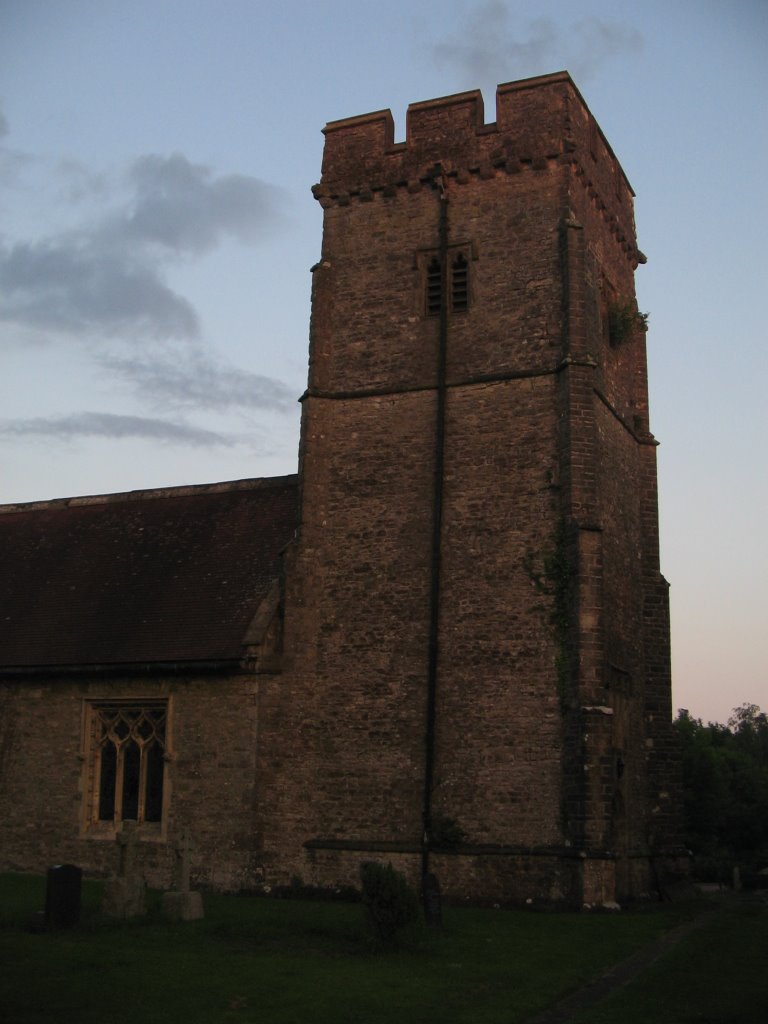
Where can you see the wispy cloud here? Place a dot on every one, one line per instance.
(104, 285)
(79, 183)
(198, 381)
(183, 208)
(108, 276)
(110, 425)
(78, 285)
(12, 161)
(494, 43)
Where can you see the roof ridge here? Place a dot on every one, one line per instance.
(151, 493)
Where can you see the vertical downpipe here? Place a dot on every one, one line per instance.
(437, 528)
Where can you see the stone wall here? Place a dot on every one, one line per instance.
(476, 633)
(46, 782)
(514, 428)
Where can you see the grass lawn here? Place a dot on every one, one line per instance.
(258, 960)
(718, 975)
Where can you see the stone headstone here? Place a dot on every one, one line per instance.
(125, 894)
(62, 896)
(433, 901)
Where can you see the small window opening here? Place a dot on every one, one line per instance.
(434, 287)
(457, 283)
(460, 283)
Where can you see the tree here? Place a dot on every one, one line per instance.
(725, 788)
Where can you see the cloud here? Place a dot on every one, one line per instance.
(593, 41)
(491, 44)
(183, 208)
(77, 285)
(199, 382)
(107, 277)
(80, 183)
(13, 162)
(115, 427)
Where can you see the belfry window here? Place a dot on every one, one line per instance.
(128, 742)
(434, 286)
(456, 282)
(460, 283)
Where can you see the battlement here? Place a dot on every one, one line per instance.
(541, 124)
(532, 117)
(460, 113)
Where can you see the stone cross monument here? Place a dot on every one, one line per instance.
(181, 904)
(125, 893)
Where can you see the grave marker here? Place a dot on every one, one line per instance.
(62, 896)
(182, 904)
(125, 893)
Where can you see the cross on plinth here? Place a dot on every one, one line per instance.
(181, 904)
(124, 893)
(128, 842)
(184, 849)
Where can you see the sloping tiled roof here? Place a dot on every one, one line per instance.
(147, 577)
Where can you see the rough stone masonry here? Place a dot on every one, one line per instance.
(446, 643)
(476, 628)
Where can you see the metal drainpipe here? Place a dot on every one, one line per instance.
(437, 523)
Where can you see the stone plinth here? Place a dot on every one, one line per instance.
(124, 897)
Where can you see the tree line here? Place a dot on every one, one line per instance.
(725, 791)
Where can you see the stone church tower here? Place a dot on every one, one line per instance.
(476, 678)
(445, 644)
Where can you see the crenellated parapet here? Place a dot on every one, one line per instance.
(542, 125)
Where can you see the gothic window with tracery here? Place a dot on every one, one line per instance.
(128, 760)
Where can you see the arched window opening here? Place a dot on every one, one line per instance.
(434, 286)
(460, 283)
(129, 763)
(456, 282)
(107, 777)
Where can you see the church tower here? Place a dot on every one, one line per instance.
(477, 675)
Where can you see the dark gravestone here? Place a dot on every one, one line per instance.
(433, 908)
(62, 896)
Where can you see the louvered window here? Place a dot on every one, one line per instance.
(434, 286)
(460, 283)
(457, 283)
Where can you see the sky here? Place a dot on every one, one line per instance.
(157, 230)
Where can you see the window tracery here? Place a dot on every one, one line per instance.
(127, 762)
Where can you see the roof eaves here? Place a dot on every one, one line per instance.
(225, 666)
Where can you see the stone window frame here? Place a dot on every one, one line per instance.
(92, 825)
(460, 256)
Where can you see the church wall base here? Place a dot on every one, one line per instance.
(548, 878)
